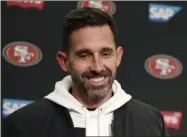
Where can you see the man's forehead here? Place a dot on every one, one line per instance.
(94, 48)
(92, 37)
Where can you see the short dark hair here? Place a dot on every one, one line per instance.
(83, 17)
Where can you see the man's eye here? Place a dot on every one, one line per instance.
(83, 56)
(106, 54)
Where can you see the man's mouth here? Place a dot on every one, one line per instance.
(97, 81)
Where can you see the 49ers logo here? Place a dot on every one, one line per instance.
(163, 66)
(107, 6)
(26, 4)
(22, 54)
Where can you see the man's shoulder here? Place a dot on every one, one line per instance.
(144, 117)
(144, 114)
(135, 103)
(34, 119)
(42, 108)
(141, 108)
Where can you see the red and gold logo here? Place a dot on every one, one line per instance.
(163, 66)
(26, 4)
(22, 54)
(107, 6)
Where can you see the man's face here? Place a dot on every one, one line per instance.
(93, 60)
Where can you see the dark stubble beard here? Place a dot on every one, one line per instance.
(93, 93)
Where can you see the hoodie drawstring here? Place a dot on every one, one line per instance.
(98, 120)
(85, 116)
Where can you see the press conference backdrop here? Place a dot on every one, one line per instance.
(154, 65)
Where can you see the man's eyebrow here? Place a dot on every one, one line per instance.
(85, 50)
(107, 49)
(81, 51)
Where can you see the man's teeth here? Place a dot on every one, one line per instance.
(97, 79)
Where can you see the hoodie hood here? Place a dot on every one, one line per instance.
(80, 115)
(62, 96)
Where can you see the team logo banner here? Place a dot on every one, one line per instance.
(107, 6)
(23, 54)
(162, 13)
(172, 119)
(163, 66)
(26, 4)
(11, 105)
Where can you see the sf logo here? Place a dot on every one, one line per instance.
(98, 4)
(164, 65)
(23, 52)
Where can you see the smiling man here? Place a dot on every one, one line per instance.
(89, 101)
(91, 58)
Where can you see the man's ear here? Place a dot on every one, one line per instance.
(119, 55)
(62, 60)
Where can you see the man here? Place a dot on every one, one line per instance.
(89, 101)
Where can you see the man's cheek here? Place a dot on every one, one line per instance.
(111, 67)
(78, 67)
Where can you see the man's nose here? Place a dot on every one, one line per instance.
(96, 65)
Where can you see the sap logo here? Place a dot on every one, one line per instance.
(11, 105)
(162, 13)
